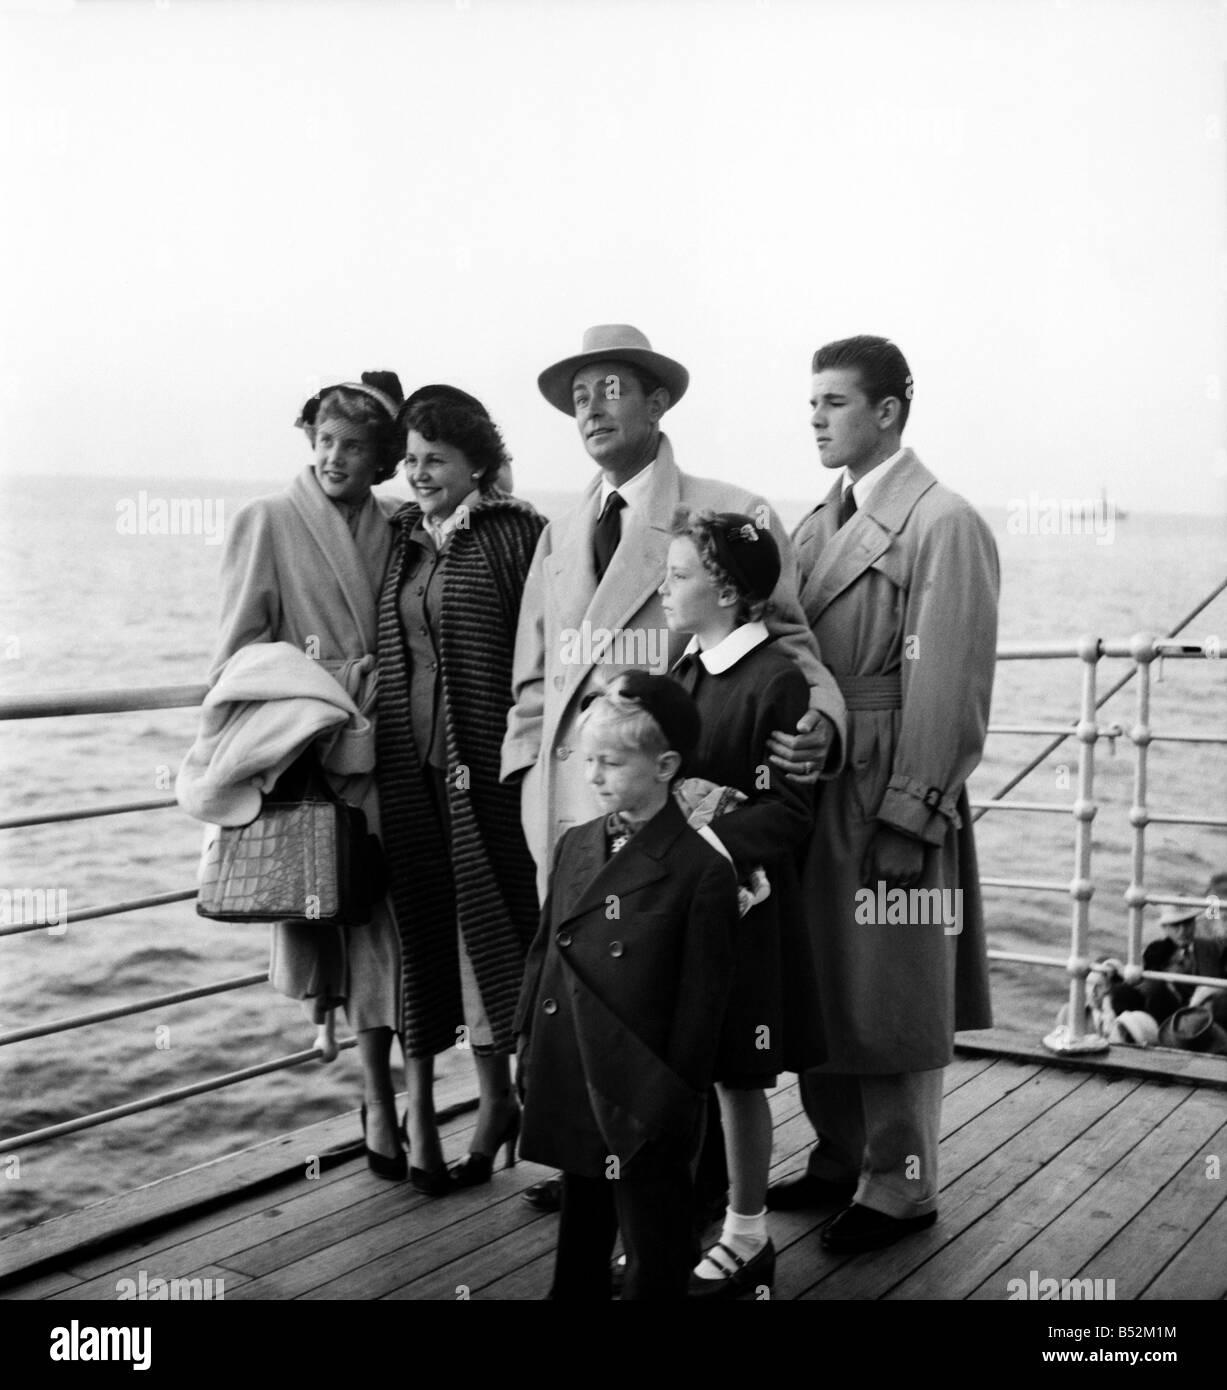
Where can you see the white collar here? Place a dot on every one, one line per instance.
(862, 489)
(634, 489)
(728, 652)
(441, 531)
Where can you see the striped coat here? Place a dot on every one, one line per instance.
(492, 871)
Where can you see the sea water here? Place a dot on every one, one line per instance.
(113, 583)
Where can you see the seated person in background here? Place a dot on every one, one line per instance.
(1182, 951)
(1121, 999)
(1103, 980)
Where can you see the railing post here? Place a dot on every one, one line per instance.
(1071, 1036)
(1142, 649)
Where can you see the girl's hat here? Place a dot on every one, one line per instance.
(747, 553)
(382, 387)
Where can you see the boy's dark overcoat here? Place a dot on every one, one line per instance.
(624, 993)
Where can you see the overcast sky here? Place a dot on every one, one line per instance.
(212, 207)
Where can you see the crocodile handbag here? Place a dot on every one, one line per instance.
(306, 857)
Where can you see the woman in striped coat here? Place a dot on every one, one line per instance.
(462, 881)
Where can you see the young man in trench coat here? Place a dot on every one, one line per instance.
(900, 590)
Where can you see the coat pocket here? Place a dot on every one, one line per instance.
(871, 742)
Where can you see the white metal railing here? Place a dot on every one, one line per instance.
(1143, 651)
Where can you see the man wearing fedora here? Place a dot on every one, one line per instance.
(1181, 950)
(899, 581)
(591, 606)
(594, 581)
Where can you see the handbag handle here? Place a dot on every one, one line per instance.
(303, 780)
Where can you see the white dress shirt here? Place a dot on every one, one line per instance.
(633, 490)
(441, 531)
(862, 489)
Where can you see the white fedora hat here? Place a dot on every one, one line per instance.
(1173, 916)
(612, 342)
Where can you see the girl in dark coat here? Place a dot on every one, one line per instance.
(721, 568)
(462, 881)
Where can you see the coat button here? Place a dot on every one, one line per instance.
(564, 938)
(422, 629)
(559, 682)
(421, 589)
(562, 753)
(616, 948)
(549, 1006)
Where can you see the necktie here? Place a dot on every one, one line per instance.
(847, 506)
(617, 833)
(607, 534)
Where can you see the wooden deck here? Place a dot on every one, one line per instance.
(1070, 1171)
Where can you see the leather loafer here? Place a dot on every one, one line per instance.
(796, 1194)
(545, 1195)
(858, 1228)
(750, 1275)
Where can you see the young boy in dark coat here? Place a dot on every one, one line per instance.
(624, 993)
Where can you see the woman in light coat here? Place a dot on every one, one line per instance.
(305, 566)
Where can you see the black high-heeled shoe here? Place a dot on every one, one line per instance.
(431, 1182)
(479, 1168)
(394, 1168)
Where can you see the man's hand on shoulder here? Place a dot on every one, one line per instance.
(803, 754)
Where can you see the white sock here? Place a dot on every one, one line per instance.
(745, 1235)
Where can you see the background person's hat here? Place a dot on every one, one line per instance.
(1193, 1029)
(748, 554)
(383, 387)
(1173, 916)
(612, 342)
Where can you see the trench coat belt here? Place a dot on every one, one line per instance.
(871, 692)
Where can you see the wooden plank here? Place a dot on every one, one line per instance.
(1147, 1063)
(211, 1219)
(130, 1212)
(109, 1290)
(41, 1287)
(1141, 1249)
(1118, 1198)
(962, 1069)
(531, 1282)
(168, 1197)
(418, 1225)
(357, 1204)
(480, 1259)
(977, 1165)
(968, 1102)
(1199, 1270)
(1027, 1208)
(257, 1220)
